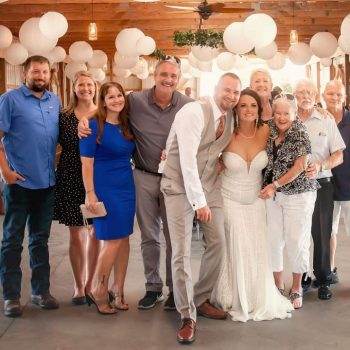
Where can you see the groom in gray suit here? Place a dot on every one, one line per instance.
(200, 132)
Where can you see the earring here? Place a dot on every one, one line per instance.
(256, 122)
(237, 124)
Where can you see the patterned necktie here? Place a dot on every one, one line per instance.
(221, 127)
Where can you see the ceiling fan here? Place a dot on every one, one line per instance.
(205, 10)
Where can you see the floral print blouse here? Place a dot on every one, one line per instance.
(296, 144)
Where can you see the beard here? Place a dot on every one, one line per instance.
(36, 86)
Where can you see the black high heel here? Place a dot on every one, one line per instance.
(91, 300)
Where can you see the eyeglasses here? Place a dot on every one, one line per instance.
(289, 97)
(172, 59)
(305, 92)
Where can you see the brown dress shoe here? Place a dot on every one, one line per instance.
(210, 311)
(12, 308)
(45, 301)
(187, 331)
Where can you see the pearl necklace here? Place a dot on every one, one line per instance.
(248, 137)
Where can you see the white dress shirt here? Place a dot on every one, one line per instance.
(188, 127)
(325, 139)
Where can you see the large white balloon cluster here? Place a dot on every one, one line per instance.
(242, 37)
(37, 35)
(130, 44)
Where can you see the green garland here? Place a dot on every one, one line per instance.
(201, 37)
(158, 53)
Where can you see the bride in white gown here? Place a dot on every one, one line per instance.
(246, 288)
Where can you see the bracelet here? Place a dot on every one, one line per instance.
(92, 190)
(276, 184)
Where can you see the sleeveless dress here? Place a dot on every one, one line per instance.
(245, 286)
(69, 190)
(113, 180)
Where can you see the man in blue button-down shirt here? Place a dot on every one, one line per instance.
(29, 133)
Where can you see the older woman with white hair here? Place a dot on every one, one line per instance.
(261, 82)
(290, 194)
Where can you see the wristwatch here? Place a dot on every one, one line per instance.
(277, 185)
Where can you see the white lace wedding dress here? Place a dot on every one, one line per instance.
(246, 287)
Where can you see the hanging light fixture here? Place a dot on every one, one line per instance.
(92, 25)
(293, 36)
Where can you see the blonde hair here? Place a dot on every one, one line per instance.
(260, 70)
(73, 101)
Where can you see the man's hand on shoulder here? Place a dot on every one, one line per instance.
(325, 114)
(204, 214)
(83, 128)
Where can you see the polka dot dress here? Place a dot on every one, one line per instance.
(70, 192)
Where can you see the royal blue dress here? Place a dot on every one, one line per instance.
(113, 180)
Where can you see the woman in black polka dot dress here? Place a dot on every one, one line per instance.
(70, 192)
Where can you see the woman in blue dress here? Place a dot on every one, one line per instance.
(107, 176)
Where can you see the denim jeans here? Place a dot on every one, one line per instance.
(35, 208)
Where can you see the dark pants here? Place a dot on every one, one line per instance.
(35, 208)
(321, 232)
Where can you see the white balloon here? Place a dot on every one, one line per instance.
(276, 62)
(140, 67)
(16, 53)
(266, 52)
(226, 61)
(49, 55)
(125, 62)
(299, 53)
(98, 74)
(323, 44)
(145, 45)
(120, 72)
(59, 53)
(344, 43)
(204, 53)
(53, 25)
(126, 41)
(5, 37)
(98, 59)
(74, 67)
(326, 61)
(260, 29)
(80, 51)
(345, 25)
(192, 60)
(143, 75)
(33, 39)
(185, 65)
(205, 66)
(235, 39)
(241, 62)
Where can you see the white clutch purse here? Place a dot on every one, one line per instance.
(100, 210)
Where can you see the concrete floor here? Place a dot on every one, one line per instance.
(318, 325)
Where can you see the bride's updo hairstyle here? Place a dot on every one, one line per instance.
(256, 97)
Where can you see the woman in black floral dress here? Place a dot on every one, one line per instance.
(70, 192)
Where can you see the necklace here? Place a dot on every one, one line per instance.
(248, 137)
